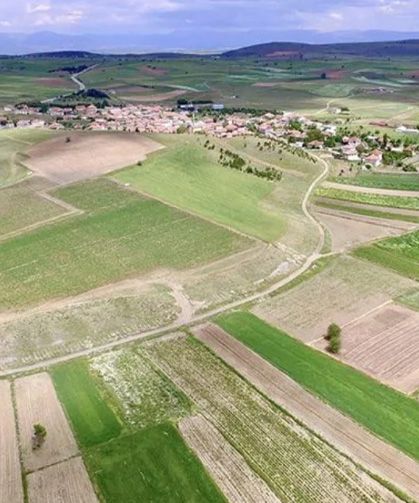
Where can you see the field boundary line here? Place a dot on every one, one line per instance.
(315, 255)
(371, 190)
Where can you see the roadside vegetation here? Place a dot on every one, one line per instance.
(389, 414)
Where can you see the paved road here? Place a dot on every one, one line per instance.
(339, 430)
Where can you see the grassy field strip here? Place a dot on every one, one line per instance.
(372, 190)
(11, 490)
(67, 482)
(389, 414)
(93, 421)
(402, 181)
(399, 253)
(373, 199)
(368, 212)
(228, 468)
(378, 457)
(297, 465)
(153, 464)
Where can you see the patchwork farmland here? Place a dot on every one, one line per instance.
(164, 298)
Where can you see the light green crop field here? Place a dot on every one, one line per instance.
(410, 299)
(386, 412)
(152, 465)
(13, 144)
(22, 207)
(93, 420)
(120, 234)
(187, 175)
(372, 199)
(382, 181)
(400, 254)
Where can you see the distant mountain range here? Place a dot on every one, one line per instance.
(183, 41)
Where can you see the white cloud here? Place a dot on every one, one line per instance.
(32, 8)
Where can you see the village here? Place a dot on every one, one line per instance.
(367, 149)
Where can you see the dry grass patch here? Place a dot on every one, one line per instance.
(65, 482)
(87, 155)
(343, 291)
(37, 402)
(10, 476)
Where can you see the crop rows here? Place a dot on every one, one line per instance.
(296, 465)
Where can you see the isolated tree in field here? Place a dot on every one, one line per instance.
(334, 337)
(39, 436)
(68, 139)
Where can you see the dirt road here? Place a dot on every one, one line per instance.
(346, 435)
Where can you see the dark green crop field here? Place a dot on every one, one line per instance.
(151, 465)
(384, 411)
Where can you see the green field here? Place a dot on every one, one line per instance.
(92, 419)
(21, 207)
(120, 234)
(400, 254)
(188, 175)
(13, 143)
(411, 203)
(382, 181)
(152, 465)
(386, 412)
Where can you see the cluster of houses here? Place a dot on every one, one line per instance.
(287, 126)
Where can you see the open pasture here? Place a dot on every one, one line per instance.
(92, 418)
(67, 482)
(385, 344)
(78, 156)
(399, 253)
(188, 175)
(37, 402)
(296, 465)
(346, 289)
(153, 464)
(11, 490)
(231, 472)
(386, 412)
(120, 235)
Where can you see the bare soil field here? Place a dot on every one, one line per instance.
(340, 431)
(65, 482)
(345, 290)
(385, 344)
(265, 84)
(349, 230)
(87, 155)
(11, 490)
(227, 467)
(156, 97)
(37, 402)
(54, 82)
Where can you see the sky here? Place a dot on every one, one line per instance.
(207, 18)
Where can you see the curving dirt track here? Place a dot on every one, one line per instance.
(346, 435)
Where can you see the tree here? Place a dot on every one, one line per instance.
(333, 336)
(39, 436)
